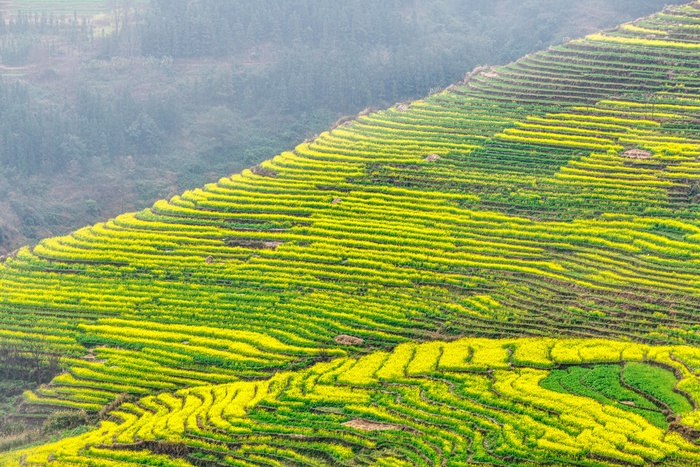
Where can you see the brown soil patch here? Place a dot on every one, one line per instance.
(473, 73)
(272, 245)
(92, 358)
(344, 339)
(344, 121)
(12, 254)
(262, 171)
(366, 425)
(689, 433)
(637, 154)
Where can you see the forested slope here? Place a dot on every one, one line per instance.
(553, 199)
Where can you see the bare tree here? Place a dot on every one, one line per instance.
(121, 14)
(117, 11)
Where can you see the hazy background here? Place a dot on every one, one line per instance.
(106, 106)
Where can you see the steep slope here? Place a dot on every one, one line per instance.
(555, 196)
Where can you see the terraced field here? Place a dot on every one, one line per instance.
(80, 7)
(464, 402)
(505, 272)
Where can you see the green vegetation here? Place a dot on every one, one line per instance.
(657, 382)
(602, 383)
(466, 404)
(147, 99)
(504, 272)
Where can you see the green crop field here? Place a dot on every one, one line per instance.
(68, 7)
(89, 7)
(504, 273)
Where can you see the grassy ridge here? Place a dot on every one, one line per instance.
(557, 195)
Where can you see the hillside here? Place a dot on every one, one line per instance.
(108, 106)
(445, 282)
